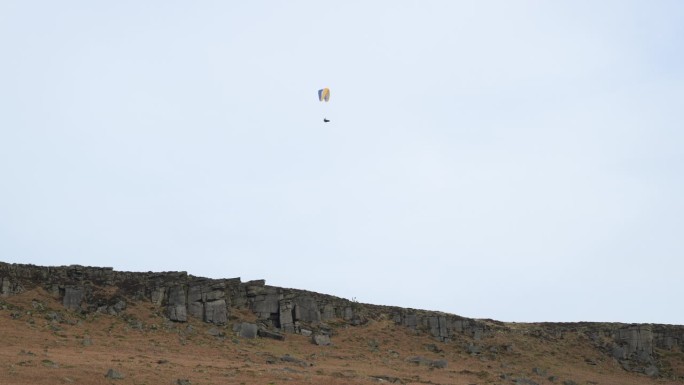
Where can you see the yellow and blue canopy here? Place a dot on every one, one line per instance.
(324, 95)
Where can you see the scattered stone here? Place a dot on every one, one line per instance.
(321, 339)
(652, 371)
(114, 375)
(183, 382)
(136, 324)
(524, 381)
(305, 332)
(37, 305)
(290, 370)
(50, 364)
(117, 308)
(389, 379)
(214, 331)
(418, 360)
(345, 374)
(439, 364)
(625, 365)
(294, 360)
(247, 330)
(373, 344)
(539, 371)
(272, 335)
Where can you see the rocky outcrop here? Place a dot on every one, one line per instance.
(633, 340)
(207, 301)
(636, 347)
(176, 303)
(278, 311)
(182, 296)
(9, 286)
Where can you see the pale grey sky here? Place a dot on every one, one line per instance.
(515, 160)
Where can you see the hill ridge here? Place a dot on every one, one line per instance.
(255, 309)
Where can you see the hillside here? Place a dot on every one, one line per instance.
(75, 324)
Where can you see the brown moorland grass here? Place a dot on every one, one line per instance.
(44, 344)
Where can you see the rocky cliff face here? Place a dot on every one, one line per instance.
(279, 311)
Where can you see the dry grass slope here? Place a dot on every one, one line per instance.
(44, 344)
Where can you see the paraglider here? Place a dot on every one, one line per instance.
(324, 96)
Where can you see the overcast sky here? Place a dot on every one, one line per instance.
(514, 160)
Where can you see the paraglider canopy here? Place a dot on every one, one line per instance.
(324, 95)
